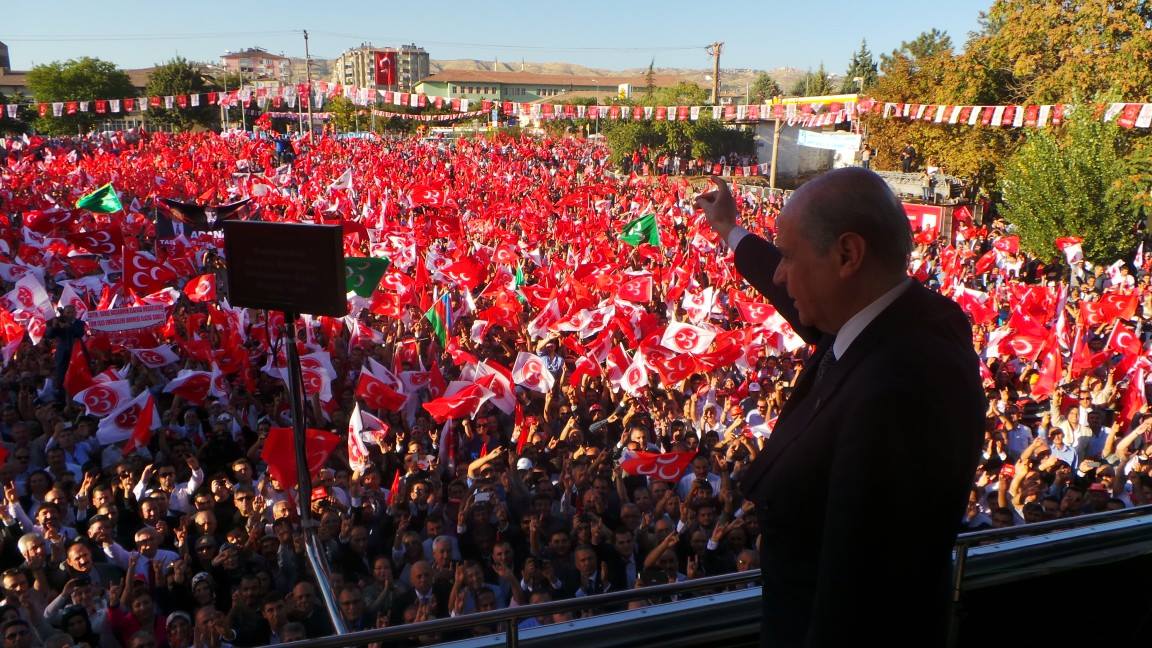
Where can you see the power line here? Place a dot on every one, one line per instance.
(50, 38)
(551, 48)
(61, 38)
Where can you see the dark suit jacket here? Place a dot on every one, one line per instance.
(861, 488)
(440, 592)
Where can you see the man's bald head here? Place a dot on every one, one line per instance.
(854, 200)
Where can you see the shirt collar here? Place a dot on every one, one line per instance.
(860, 321)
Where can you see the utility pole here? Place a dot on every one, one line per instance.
(308, 75)
(243, 107)
(714, 49)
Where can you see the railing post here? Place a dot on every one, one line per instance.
(957, 585)
(512, 633)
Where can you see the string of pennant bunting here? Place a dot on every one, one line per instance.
(1126, 115)
(429, 118)
(275, 99)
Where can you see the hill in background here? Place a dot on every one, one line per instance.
(732, 81)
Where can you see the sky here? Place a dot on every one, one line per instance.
(761, 34)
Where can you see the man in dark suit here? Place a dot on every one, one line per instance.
(861, 487)
(424, 592)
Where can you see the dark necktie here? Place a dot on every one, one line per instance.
(827, 361)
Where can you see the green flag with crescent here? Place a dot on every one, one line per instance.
(363, 274)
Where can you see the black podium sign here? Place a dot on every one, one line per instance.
(288, 267)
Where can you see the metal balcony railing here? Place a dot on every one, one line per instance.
(981, 559)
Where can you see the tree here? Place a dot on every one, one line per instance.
(862, 67)
(344, 114)
(1130, 192)
(927, 45)
(81, 79)
(175, 78)
(1058, 184)
(704, 137)
(763, 89)
(814, 84)
(650, 79)
(1050, 50)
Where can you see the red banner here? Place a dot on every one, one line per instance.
(385, 68)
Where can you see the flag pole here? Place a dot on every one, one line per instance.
(304, 476)
(308, 77)
(296, 399)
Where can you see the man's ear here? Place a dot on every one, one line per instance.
(850, 249)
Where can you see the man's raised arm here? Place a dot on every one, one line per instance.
(756, 259)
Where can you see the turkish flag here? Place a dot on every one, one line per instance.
(146, 421)
(685, 338)
(1051, 368)
(280, 453)
(101, 399)
(191, 385)
(437, 386)
(79, 376)
(357, 452)
(986, 262)
(1123, 340)
(385, 68)
(377, 394)
(463, 404)
(668, 467)
(531, 372)
(202, 288)
(637, 289)
(44, 221)
(1021, 345)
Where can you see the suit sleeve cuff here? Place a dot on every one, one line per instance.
(736, 235)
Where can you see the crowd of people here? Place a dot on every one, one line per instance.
(189, 535)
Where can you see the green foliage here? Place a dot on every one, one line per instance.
(927, 45)
(229, 80)
(179, 77)
(705, 137)
(763, 89)
(625, 137)
(684, 93)
(650, 79)
(1046, 51)
(813, 84)
(76, 80)
(1131, 193)
(1058, 184)
(861, 66)
(345, 117)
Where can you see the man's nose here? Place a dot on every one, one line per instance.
(780, 276)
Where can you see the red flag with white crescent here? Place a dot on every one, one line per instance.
(202, 288)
